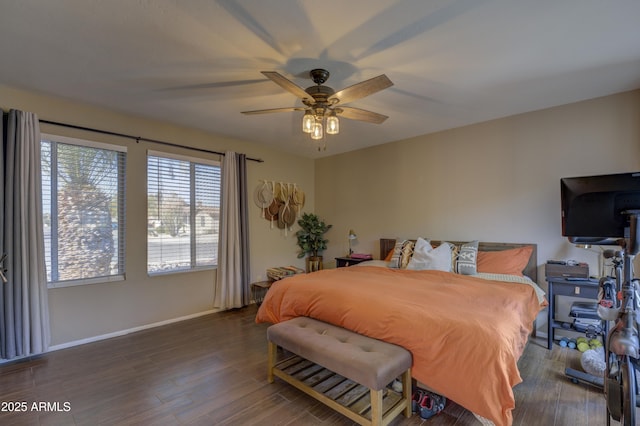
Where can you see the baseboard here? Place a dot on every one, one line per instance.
(128, 331)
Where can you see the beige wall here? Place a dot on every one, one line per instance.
(493, 181)
(86, 312)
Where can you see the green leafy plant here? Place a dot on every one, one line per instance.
(311, 235)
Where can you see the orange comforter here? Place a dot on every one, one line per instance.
(465, 334)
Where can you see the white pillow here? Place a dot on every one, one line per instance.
(427, 257)
(420, 250)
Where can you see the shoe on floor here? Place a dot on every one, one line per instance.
(430, 404)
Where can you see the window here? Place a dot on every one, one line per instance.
(183, 213)
(83, 210)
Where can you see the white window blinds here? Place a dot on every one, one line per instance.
(83, 201)
(183, 212)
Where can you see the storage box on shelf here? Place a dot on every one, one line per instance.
(280, 272)
(578, 270)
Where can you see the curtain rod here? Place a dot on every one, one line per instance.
(139, 138)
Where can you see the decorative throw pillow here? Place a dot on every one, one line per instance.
(510, 262)
(438, 258)
(401, 253)
(394, 262)
(466, 259)
(454, 254)
(406, 253)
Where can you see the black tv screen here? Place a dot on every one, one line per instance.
(593, 206)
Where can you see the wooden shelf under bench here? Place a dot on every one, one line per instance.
(342, 394)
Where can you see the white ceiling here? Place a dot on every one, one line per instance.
(197, 62)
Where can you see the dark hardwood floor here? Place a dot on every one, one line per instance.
(212, 370)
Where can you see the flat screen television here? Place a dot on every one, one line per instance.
(593, 206)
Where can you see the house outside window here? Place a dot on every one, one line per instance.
(83, 202)
(183, 213)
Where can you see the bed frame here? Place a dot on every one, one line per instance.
(531, 270)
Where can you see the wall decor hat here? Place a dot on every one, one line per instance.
(297, 197)
(263, 196)
(271, 212)
(282, 195)
(279, 202)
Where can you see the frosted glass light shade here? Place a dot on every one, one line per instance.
(333, 124)
(308, 120)
(317, 131)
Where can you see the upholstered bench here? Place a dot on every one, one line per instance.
(344, 370)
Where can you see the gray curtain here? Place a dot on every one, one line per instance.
(232, 278)
(24, 306)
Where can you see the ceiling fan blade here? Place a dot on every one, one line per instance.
(267, 111)
(287, 84)
(212, 85)
(361, 115)
(362, 89)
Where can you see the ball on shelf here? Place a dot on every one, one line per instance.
(583, 346)
(595, 343)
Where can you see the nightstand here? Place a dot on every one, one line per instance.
(259, 290)
(342, 262)
(558, 286)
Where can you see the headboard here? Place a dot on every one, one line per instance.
(387, 244)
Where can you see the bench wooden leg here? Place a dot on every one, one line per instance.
(376, 407)
(271, 361)
(406, 390)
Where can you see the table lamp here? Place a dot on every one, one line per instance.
(352, 236)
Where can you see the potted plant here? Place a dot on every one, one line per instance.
(311, 240)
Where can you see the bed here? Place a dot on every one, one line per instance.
(465, 332)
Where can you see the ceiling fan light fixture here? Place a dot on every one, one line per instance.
(333, 124)
(317, 131)
(308, 120)
(322, 104)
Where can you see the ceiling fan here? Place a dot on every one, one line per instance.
(323, 104)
